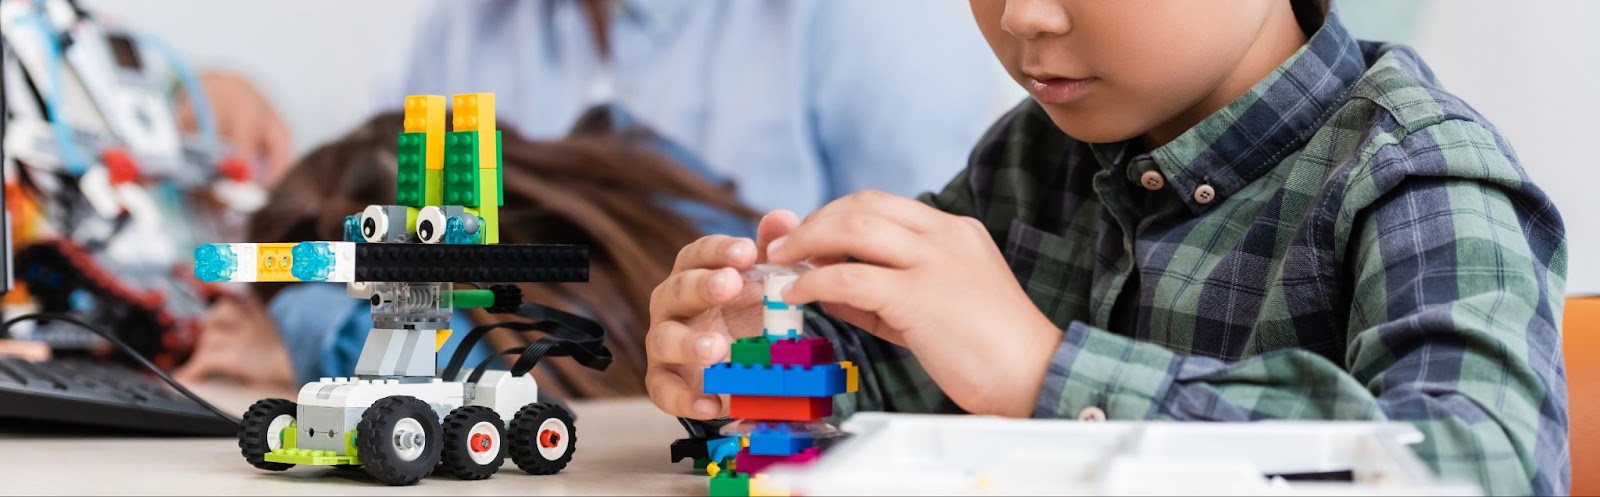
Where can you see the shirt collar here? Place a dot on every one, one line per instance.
(1273, 119)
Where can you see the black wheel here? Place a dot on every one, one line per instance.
(542, 438)
(473, 442)
(262, 431)
(398, 440)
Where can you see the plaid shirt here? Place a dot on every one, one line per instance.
(1370, 250)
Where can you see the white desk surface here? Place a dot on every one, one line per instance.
(623, 448)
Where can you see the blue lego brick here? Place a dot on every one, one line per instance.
(743, 379)
(823, 380)
(778, 440)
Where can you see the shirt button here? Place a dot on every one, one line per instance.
(1152, 180)
(1204, 194)
(1092, 413)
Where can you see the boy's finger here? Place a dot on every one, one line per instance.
(862, 286)
(864, 236)
(672, 342)
(672, 394)
(716, 251)
(689, 293)
(773, 226)
(917, 216)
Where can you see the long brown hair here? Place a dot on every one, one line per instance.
(1310, 14)
(592, 188)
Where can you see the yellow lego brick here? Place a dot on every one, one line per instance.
(274, 262)
(439, 337)
(425, 114)
(852, 376)
(760, 487)
(474, 112)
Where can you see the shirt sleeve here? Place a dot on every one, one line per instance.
(900, 91)
(1455, 292)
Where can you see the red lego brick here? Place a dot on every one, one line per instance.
(803, 352)
(751, 463)
(779, 408)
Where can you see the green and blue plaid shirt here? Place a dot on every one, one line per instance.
(1370, 250)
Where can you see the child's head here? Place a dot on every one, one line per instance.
(592, 188)
(1108, 71)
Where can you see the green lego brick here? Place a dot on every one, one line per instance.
(489, 211)
(700, 464)
(410, 181)
(753, 350)
(434, 195)
(499, 169)
(461, 174)
(473, 299)
(308, 457)
(730, 484)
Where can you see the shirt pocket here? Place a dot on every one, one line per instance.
(1056, 271)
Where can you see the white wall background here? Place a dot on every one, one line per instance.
(1532, 67)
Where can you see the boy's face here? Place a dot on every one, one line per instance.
(1110, 70)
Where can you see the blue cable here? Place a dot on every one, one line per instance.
(197, 94)
(69, 155)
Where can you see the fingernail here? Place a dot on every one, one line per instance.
(705, 347)
(776, 245)
(705, 407)
(738, 251)
(723, 282)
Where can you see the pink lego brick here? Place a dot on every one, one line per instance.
(803, 352)
(746, 462)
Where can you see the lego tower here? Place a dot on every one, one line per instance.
(781, 384)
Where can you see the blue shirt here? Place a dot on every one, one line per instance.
(799, 102)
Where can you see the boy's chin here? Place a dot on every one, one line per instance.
(1095, 127)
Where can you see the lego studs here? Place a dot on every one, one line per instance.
(780, 320)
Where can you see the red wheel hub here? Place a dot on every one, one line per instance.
(549, 438)
(480, 443)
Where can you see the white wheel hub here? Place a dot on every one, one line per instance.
(553, 439)
(275, 431)
(483, 443)
(409, 440)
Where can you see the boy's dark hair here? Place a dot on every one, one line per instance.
(1310, 14)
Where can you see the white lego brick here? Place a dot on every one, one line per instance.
(244, 255)
(344, 262)
(504, 393)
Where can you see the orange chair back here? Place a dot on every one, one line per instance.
(1580, 332)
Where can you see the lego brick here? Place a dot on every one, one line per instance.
(473, 112)
(780, 408)
(761, 487)
(730, 484)
(307, 457)
(752, 350)
(489, 200)
(778, 439)
(802, 352)
(479, 263)
(737, 379)
(273, 262)
(747, 462)
(439, 338)
(433, 180)
(425, 114)
(852, 376)
(723, 448)
(410, 180)
(824, 380)
(461, 173)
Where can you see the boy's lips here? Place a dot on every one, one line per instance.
(1053, 89)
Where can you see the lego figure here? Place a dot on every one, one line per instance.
(397, 417)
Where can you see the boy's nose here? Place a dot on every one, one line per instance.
(1030, 19)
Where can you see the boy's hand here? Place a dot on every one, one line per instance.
(239, 342)
(699, 309)
(246, 119)
(932, 282)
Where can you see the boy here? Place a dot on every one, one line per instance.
(1249, 216)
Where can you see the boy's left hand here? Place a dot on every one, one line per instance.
(932, 282)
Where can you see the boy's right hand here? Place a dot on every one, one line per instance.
(698, 311)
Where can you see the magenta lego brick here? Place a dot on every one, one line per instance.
(746, 462)
(803, 352)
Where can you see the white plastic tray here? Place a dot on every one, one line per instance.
(912, 454)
